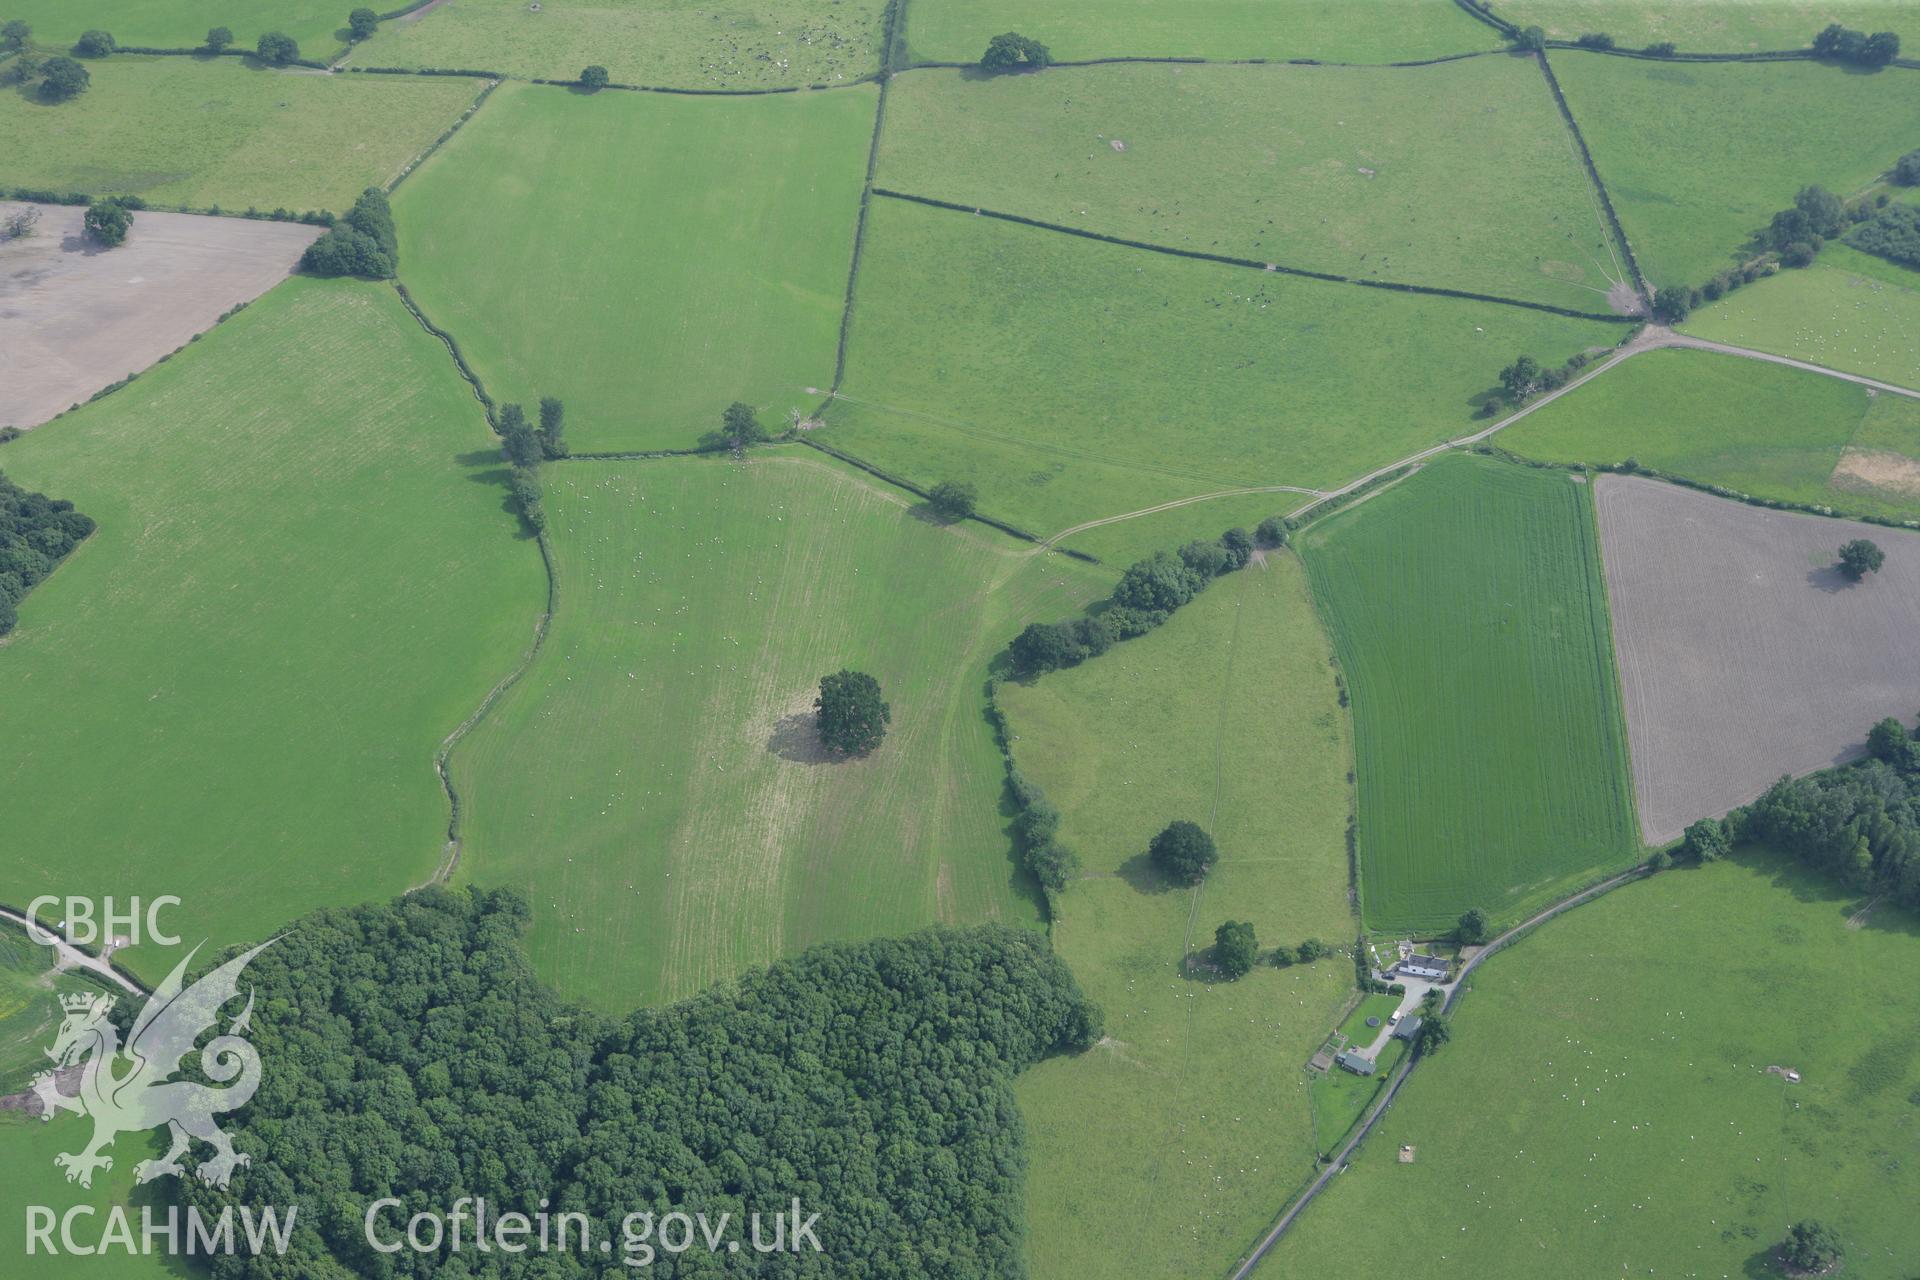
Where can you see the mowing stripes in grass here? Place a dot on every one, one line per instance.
(303, 579)
(203, 132)
(654, 784)
(1468, 612)
(669, 255)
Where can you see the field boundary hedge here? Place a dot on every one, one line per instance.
(1188, 60)
(1593, 175)
(1271, 268)
(453, 349)
(473, 108)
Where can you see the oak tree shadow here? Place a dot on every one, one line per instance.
(1140, 873)
(797, 738)
(1830, 579)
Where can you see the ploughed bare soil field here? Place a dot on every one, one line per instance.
(75, 317)
(1744, 653)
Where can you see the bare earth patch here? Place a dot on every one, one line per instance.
(1877, 471)
(75, 318)
(1743, 652)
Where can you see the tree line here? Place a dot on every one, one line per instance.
(414, 1055)
(36, 534)
(525, 447)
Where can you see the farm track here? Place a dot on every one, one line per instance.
(72, 957)
(1405, 1070)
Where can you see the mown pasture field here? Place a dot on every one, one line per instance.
(1849, 311)
(1749, 656)
(1709, 26)
(654, 784)
(1698, 158)
(1071, 380)
(28, 1176)
(1470, 620)
(1164, 1150)
(1330, 30)
(30, 991)
(1605, 1101)
(708, 265)
(675, 43)
(1382, 173)
(304, 578)
(1757, 428)
(178, 24)
(224, 132)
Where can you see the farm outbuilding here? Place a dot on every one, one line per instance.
(1407, 1028)
(1358, 1063)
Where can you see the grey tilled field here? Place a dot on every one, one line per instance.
(1744, 654)
(75, 318)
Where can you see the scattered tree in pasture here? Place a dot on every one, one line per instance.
(107, 222)
(1235, 948)
(1520, 379)
(277, 49)
(594, 77)
(953, 499)
(1312, 949)
(553, 427)
(362, 23)
(1272, 532)
(1859, 557)
(1472, 928)
(14, 35)
(63, 78)
(852, 717)
(1183, 852)
(1706, 840)
(93, 44)
(739, 427)
(218, 38)
(1011, 50)
(1811, 1248)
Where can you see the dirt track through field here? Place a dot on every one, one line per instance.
(75, 318)
(1744, 654)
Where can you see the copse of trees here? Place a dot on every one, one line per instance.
(525, 447)
(107, 223)
(1235, 949)
(36, 533)
(14, 36)
(1892, 233)
(1472, 927)
(361, 244)
(853, 717)
(414, 1054)
(277, 49)
(1843, 44)
(1147, 595)
(362, 23)
(1860, 557)
(93, 44)
(1183, 852)
(1526, 378)
(1792, 238)
(1012, 51)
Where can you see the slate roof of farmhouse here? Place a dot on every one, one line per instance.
(1358, 1063)
(1408, 1027)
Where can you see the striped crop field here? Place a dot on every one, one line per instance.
(1469, 616)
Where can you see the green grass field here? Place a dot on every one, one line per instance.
(1709, 26)
(1758, 428)
(707, 265)
(653, 783)
(1849, 311)
(224, 132)
(1355, 1028)
(178, 24)
(304, 578)
(1698, 158)
(685, 44)
(1469, 615)
(30, 991)
(1165, 1150)
(1605, 1109)
(1072, 381)
(1382, 173)
(28, 1177)
(1330, 30)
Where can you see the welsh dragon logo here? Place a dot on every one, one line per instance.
(131, 1090)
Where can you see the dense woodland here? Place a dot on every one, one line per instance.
(410, 1052)
(36, 533)
(1861, 822)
